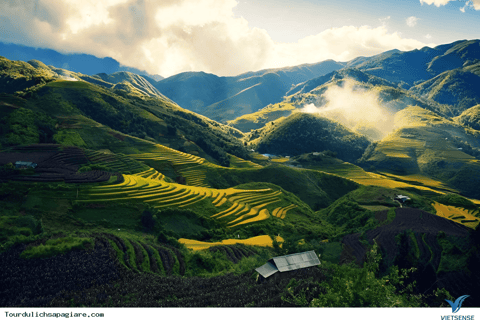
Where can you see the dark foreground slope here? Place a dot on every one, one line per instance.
(95, 278)
(444, 253)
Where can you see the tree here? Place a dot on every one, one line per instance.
(148, 221)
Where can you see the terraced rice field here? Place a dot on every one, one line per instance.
(175, 157)
(195, 175)
(154, 191)
(282, 212)
(118, 162)
(244, 206)
(151, 174)
(262, 241)
(185, 164)
(401, 147)
(418, 179)
(357, 174)
(234, 253)
(142, 257)
(236, 162)
(459, 215)
(249, 207)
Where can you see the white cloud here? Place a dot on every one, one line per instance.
(437, 3)
(475, 4)
(412, 21)
(341, 44)
(384, 20)
(172, 36)
(428, 36)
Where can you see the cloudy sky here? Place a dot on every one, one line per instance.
(229, 37)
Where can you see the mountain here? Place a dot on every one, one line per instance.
(82, 63)
(457, 87)
(347, 73)
(303, 133)
(361, 88)
(225, 98)
(412, 67)
(138, 82)
(19, 75)
(102, 108)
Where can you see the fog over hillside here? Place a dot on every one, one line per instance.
(357, 108)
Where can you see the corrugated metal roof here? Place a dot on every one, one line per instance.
(296, 261)
(24, 163)
(289, 262)
(267, 269)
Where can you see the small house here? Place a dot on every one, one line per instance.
(401, 198)
(288, 263)
(25, 165)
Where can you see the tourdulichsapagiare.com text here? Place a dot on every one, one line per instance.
(37, 314)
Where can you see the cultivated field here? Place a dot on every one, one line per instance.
(262, 241)
(241, 206)
(459, 215)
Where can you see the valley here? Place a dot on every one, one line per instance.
(124, 191)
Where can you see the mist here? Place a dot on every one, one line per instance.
(65, 75)
(68, 78)
(357, 108)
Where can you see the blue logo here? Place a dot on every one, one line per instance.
(457, 304)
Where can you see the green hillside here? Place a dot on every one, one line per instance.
(302, 133)
(138, 82)
(150, 118)
(430, 145)
(316, 189)
(470, 117)
(458, 87)
(18, 75)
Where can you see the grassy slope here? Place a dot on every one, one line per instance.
(81, 107)
(458, 87)
(430, 145)
(301, 133)
(470, 117)
(133, 114)
(314, 188)
(18, 75)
